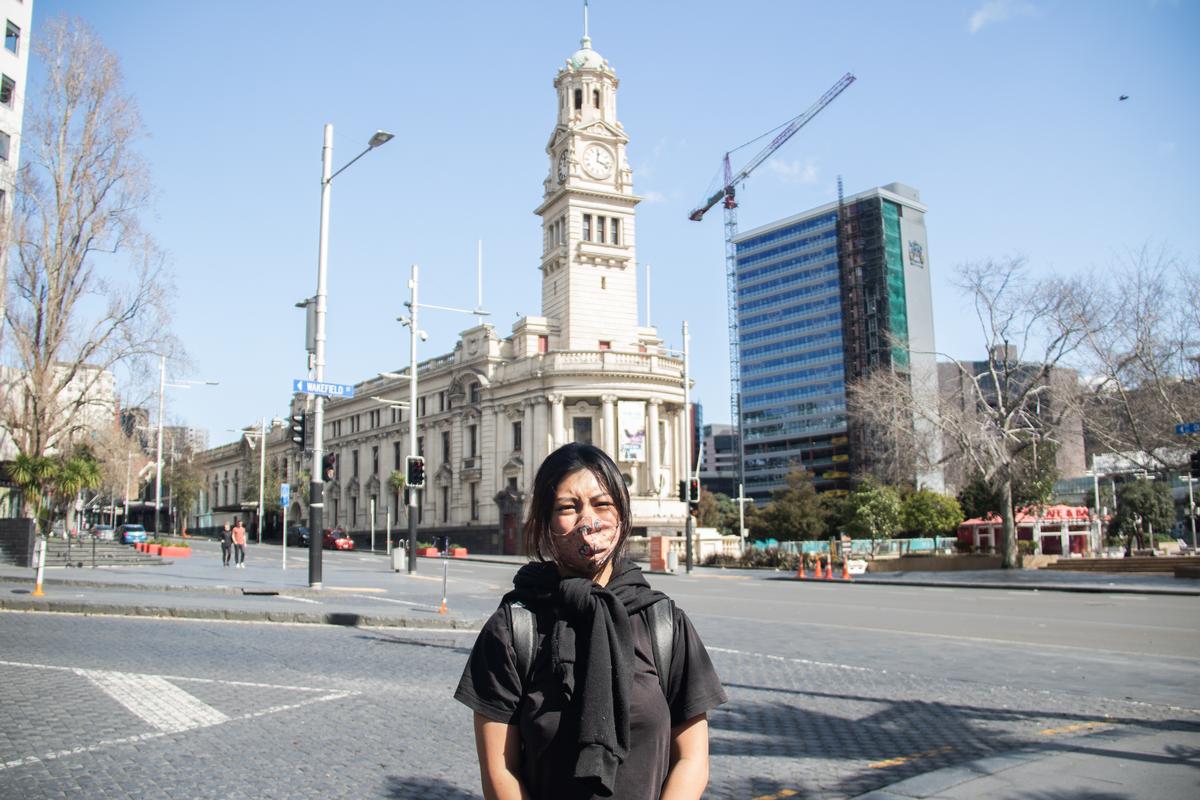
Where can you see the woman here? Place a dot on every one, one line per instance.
(226, 544)
(239, 545)
(589, 717)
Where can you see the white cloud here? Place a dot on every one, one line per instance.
(654, 197)
(999, 11)
(795, 171)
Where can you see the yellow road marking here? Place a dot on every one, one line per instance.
(1079, 726)
(895, 762)
(778, 795)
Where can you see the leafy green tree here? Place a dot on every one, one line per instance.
(873, 511)
(34, 476)
(797, 511)
(718, 511)
(928, 513)
(1142, 506)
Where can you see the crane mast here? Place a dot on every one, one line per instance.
(728, 193)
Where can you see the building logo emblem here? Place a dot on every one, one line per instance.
(916, 253)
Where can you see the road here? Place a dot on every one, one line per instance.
(834, 690)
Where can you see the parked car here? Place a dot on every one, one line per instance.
(298, 535)
(337, 539)
(104, 533)
(130, 533)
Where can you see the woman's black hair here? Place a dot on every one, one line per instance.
(564, 461)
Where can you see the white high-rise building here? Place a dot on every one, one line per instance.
(492, 409)
(14, 67)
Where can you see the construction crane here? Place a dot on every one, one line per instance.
(728, 192)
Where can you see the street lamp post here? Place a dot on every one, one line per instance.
(690, 522)
(414, 333)
(316, 502)
(158, 462)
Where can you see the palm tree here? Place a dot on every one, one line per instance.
(33, 475)
(73, 476)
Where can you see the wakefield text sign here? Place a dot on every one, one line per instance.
(302, 386)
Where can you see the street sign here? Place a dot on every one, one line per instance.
(285, 492)
(302, 386)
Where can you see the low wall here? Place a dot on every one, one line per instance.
(16, 541)
(934, 563)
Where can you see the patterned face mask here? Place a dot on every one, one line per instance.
(587, 547)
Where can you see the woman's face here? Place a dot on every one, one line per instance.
(584, 526)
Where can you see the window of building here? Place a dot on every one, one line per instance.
(445, 446)
(596, 98)
(337, 505)
(441, 401)
(353, 511)
(12, 37)
(582, 427)
(516, 437)
(395, 455)
(472, 440)
(603, 282)
(376, 418)
(374, 460)
(578, 99)
(473, 393)
(421, 406)
(8, 87)
(587, 227)
(543, 343)
(605, 344)
(512, 483)
(600, 229)
(445, 504)
(354, 463)
(615, 226)
(474, 500)
(5, 145)
(237, 485)
(421, 446)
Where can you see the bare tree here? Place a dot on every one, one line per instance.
(989, 417)
(1142, 359)
(87, 289)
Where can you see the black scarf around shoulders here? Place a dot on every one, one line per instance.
(591, 652)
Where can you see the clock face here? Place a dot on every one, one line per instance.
(562, 166)
(597, 162)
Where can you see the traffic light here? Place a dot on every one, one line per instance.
(329, 465)
(1195, 464)
(683, 491)
(299, 429)
(415, 472)
(693, 492)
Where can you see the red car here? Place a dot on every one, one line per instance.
(337, 539)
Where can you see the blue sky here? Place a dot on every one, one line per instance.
(1003, 114)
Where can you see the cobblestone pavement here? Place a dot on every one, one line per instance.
(190, 709)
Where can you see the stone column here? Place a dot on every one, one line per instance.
(556, 421)
(652, 446)
(609, 420)
(528, 456)
(540, 440)
(456, 454)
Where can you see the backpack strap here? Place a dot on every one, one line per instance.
(524, 637)
(660, 618)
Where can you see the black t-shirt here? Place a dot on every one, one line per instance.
(491, 685)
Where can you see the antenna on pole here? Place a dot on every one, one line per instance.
(585, 21)
(479, 282)
(649, 324)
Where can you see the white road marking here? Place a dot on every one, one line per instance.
(179, 712)
(299, 599)
(158, 702)
(391, 600)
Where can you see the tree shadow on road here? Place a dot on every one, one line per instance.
(411, 639)
(424, 789)
(898, 739)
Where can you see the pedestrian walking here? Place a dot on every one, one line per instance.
(226, 544)
(239, 544)
(586, 682)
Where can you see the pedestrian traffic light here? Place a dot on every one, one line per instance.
(299, 429)
(329, 465)
(693, 492)
(1195, 464)
(683, 491)
(415, 472)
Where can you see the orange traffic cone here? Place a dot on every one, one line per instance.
(443, 609)
(829, 568)
(800, 569)
(845, 568)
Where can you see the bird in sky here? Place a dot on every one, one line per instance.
(1122, 97)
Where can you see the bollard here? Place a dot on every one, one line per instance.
(445, 560)
(39, 556)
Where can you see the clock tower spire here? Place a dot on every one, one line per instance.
(589, 261)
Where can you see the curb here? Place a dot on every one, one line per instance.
(336, 618)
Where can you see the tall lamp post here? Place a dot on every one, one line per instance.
(162, 386)
(415, 332)
(316, 502)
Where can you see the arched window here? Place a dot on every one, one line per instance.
(596, 98)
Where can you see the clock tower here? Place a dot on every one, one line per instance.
(589, 263)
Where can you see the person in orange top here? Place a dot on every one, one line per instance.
(239, 544)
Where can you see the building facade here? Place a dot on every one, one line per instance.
(718, 463)
(14, 66)
(824, 297)
(491, 410)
